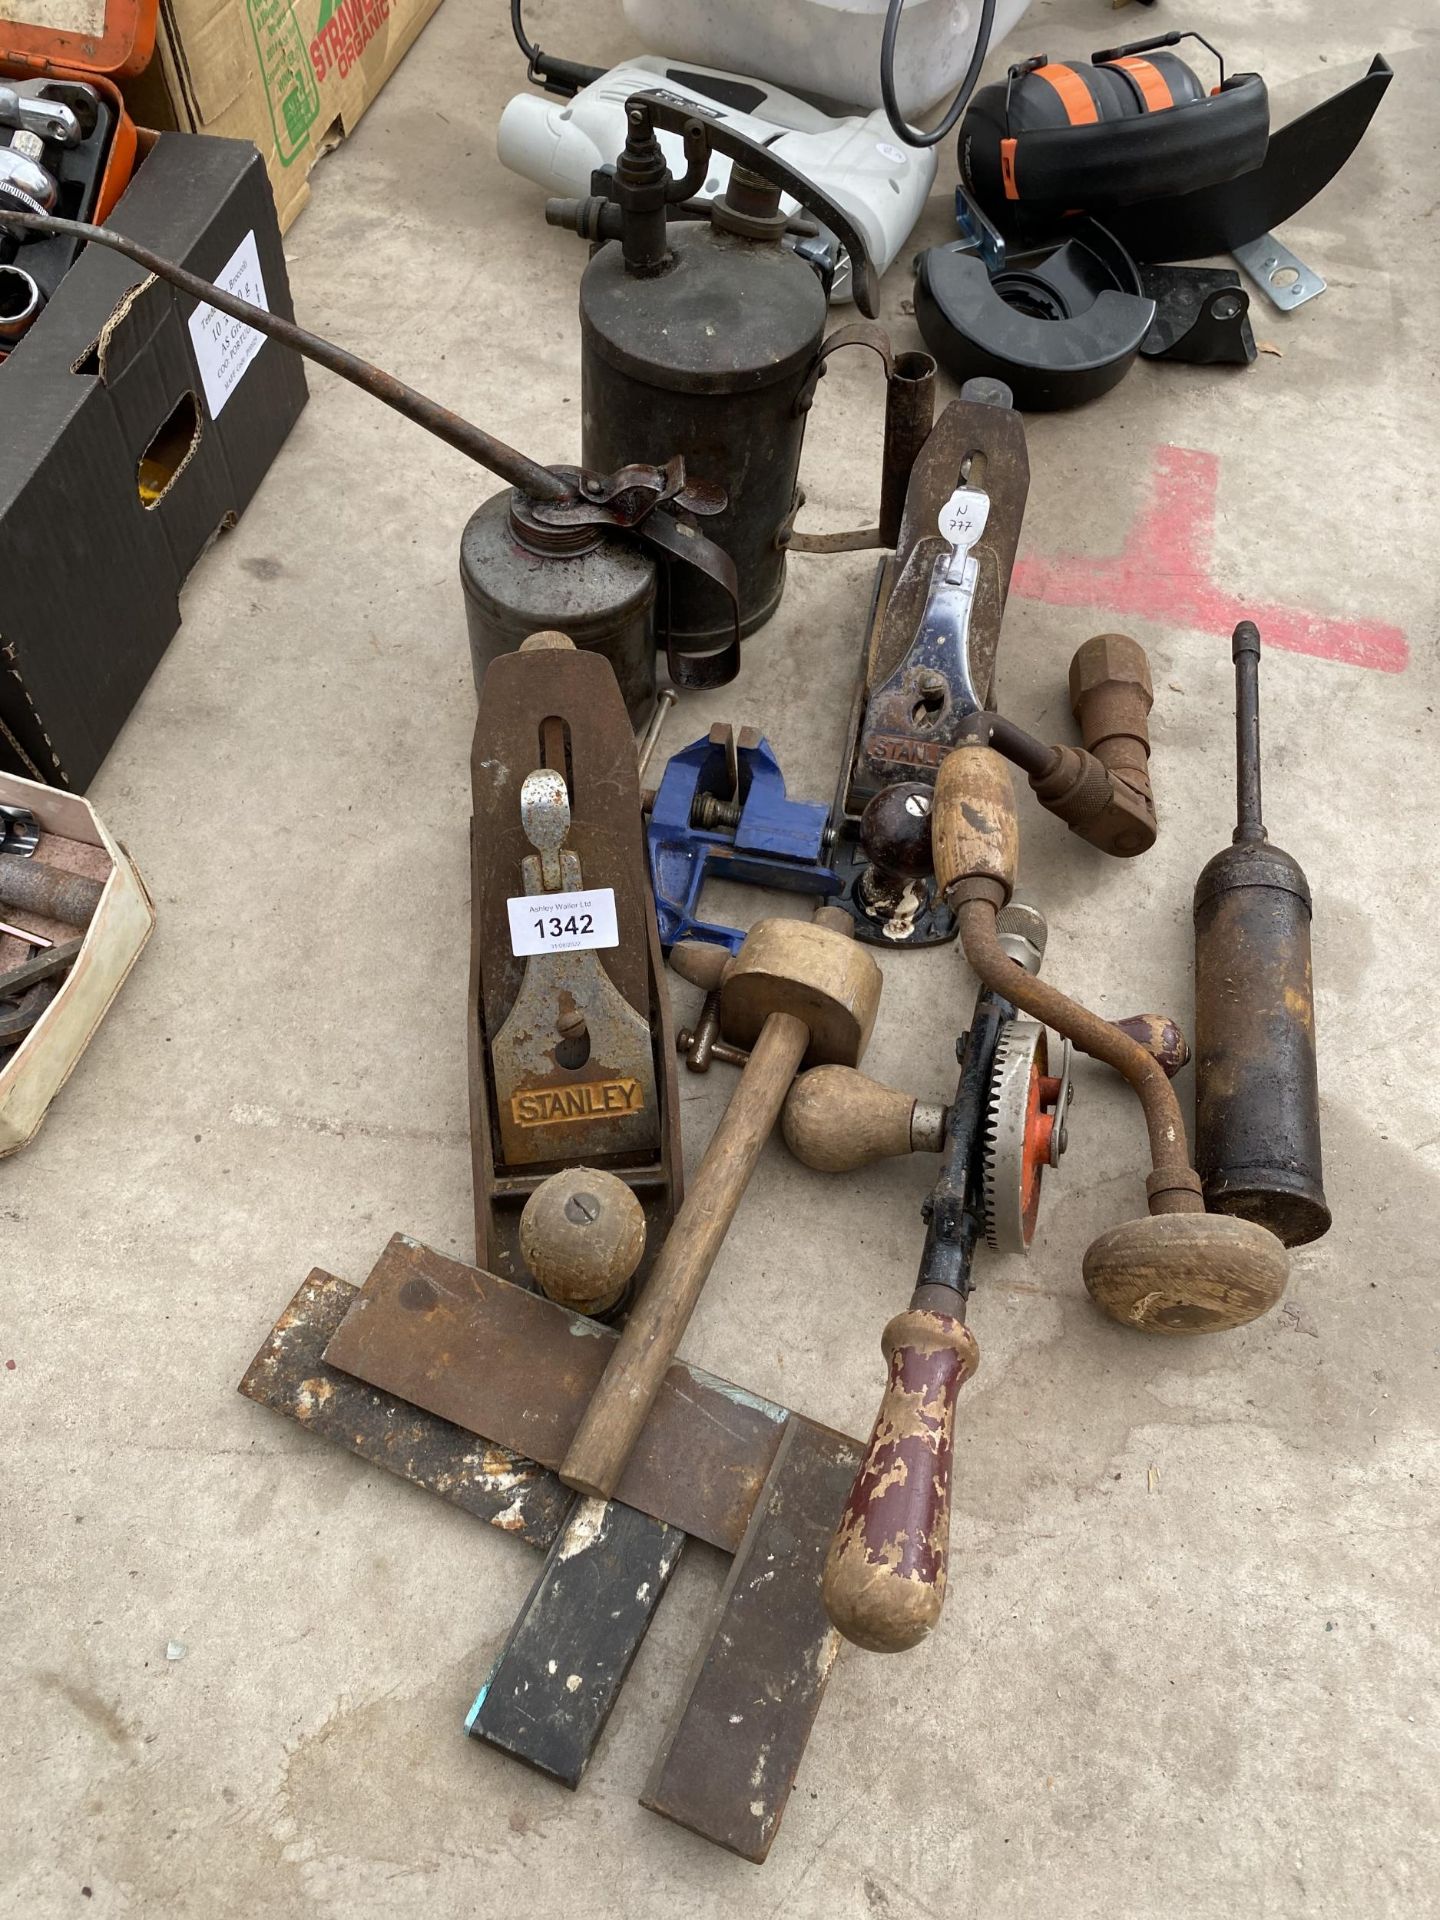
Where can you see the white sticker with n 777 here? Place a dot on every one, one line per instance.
(224, 347)
(563, 922)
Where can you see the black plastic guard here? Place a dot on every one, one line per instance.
(1303, 157)
(1047, 364)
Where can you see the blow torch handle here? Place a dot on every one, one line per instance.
(676, 116)
(884, 1581)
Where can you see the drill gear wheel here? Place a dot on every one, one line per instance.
(1024, 1133)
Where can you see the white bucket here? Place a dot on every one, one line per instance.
(825, 47)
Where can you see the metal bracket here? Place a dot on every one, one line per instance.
(972, 226)
(19, 832)
(858, 333)
(1281, 276)
(1059, 1135)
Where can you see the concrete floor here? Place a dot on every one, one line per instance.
(1189, 1664)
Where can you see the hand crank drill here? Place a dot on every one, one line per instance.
(884, 1582)
(1181, 1270)
(797, 990)
(997, 1138)
(1178, 1271)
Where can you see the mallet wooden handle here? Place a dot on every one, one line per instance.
(618, 1410)
(885, 1575)
(837, 1119)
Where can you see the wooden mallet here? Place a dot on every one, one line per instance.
(797, 991)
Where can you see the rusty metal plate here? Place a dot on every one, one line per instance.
(728, 1763)
(519, 1370)
(547, 1697)
(290, 1374)
(598, 1590)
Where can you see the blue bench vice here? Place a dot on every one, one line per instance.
(721, 813)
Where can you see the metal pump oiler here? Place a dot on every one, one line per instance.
(1257, 1097)
(703, 335)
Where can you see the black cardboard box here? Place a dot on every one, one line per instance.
(128, 440)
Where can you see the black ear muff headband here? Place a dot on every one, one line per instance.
(1161, 152)
(1070, 137)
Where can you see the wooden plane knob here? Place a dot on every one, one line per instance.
(836, 1119)
(1186, 1272)
(895, 830)
(973, 827)
(884, 1580)
(581, 1235)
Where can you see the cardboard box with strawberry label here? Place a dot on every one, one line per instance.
(293, 76)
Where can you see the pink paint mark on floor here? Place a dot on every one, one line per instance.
(1163, 573)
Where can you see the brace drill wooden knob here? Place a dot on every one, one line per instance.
(797, 990)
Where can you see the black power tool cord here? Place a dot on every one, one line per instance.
(915, 136)
(565, 77)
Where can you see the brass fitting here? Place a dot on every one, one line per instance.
(1103, 793)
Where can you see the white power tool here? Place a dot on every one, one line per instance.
(857, 161)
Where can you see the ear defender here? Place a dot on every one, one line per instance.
(1134, 123)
